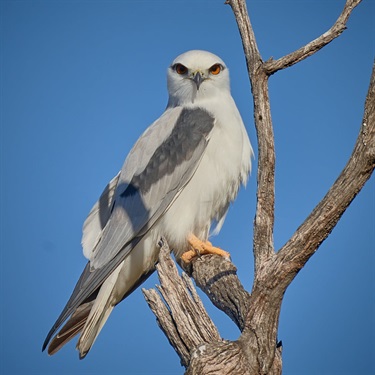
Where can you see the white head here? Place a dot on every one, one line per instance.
(196, 75)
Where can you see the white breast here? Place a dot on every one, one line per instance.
(224, 166)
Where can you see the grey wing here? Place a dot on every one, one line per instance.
(98, 218)
(159, 166)
(143, 198)
(136, 161)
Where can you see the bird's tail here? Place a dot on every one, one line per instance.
(71, 328)
(102, 308)
(89, 318)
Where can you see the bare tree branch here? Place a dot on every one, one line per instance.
(272, 66)
(277, 274)
(328, 212)
(263, 244)
(257, 315)
(218, 279)
(181, 314)
(183, 317)
(223, 358)
(249, 43)
(258, 73)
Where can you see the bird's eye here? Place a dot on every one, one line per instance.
(216, 69)
(180, 69)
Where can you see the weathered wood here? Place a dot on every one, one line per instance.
(272, 274)
(263, 245)
(222, 358)
(217, 278)
(179, 310)
(257, 351)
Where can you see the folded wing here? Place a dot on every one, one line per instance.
(158, 167)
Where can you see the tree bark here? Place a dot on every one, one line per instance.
(179, 310)
(181, 315)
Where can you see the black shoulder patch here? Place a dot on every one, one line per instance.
(192, 126)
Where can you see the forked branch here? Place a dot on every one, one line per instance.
(179, 310)
(263, 244)
(202, 350)
(258, 74)
(328, 212)
(271, 66)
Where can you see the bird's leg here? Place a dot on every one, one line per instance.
(199, 248)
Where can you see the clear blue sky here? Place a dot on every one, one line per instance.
(80, 81)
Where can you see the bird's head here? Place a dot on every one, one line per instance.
(196, 75)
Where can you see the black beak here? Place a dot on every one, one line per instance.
(198, 79)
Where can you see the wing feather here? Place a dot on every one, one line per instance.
(158, 167)
(98, 218)
(141, 200)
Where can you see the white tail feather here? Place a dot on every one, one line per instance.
(99, 313)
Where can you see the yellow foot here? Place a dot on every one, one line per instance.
(199, 248)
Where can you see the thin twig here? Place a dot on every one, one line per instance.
(272, 66)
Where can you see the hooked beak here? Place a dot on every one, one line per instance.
(198, 79)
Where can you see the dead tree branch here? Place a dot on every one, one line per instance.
(316, 228)
(272, 66)
(218, 279)
(258, 74)
(263, 245)
(271, 275)
(181, 315)
(179, 310)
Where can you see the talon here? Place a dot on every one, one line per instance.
(199, 248)
(188, 256)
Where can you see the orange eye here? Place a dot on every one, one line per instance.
(180, 69)
(216, 69)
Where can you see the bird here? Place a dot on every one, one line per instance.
(177, 182)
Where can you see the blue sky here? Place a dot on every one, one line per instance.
(81, 80)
